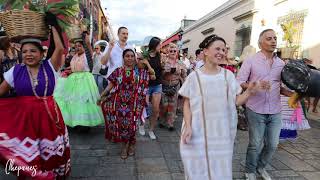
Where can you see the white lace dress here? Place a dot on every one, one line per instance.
(221, 123)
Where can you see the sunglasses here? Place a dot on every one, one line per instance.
(96, 48)
(140, 58)
(172, 51)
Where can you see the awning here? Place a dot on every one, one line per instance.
(172, 38)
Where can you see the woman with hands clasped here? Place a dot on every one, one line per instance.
(211, 94)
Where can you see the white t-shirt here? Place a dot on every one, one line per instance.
(8, 76)
(97, 62)
(116, 59)
(187, 63)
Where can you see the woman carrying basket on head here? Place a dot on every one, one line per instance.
(211, 94)
(78, 94)
(32, 131)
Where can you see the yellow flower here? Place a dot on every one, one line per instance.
(293, 101)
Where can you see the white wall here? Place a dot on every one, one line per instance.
(270, 13)
(224, 26)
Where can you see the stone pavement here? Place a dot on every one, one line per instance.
(95, 159)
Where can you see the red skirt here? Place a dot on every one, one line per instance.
(32, 139)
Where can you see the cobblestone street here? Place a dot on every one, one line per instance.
(94, 158)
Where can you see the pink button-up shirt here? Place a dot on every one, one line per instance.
(257, 68)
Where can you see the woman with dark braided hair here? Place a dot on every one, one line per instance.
(211, 94)
(124, 100)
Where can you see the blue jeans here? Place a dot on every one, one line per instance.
(99, 81)
(264, 131)
(153, 90)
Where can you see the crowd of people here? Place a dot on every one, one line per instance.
(125, 90)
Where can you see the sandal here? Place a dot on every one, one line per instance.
(131, 150)
(124, 151)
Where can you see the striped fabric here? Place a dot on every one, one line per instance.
(287, 112)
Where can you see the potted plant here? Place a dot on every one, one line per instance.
(289, 32)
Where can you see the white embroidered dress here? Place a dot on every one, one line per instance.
(221, 123)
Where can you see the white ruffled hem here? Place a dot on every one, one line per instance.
(295, 126)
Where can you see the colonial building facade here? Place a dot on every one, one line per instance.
(239, 22)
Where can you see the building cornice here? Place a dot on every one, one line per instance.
(207, 31)
(245, 15)
(218, 11)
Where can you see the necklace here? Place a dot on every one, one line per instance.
(34, 80)
(44, 98)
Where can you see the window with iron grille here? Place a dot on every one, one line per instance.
(242, 40)
(297, 18)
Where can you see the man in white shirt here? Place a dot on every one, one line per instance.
(115, 50)
(199, 58)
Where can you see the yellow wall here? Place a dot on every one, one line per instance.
(100, 23)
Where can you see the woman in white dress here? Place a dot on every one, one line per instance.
(211, 94)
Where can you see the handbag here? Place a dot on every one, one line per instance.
(169, 90)
(204, 117)
(103, 71)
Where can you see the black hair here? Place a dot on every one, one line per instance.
(154, 42)
(3, 33)
(198, 51)
(209, 40)
(81, 42)
(122, 27)
(127, 50)
(4, 43)
(39, 46)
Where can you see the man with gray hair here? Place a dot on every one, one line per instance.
(264, 108)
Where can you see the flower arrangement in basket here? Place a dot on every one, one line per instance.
(78, 25)
(289, 32)
(26, 18)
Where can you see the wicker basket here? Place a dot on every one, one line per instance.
(73, 32)
(20, 24)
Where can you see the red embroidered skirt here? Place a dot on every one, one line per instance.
(30, 137)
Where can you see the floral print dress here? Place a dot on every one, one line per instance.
(125, 103)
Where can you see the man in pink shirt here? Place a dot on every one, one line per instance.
(264, 108)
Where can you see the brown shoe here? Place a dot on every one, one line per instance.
(124, 151)
(131, 149)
